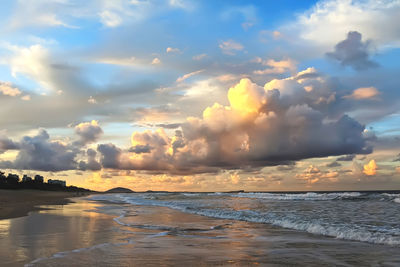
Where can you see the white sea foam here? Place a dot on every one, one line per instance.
(302, 196)
(341, 232)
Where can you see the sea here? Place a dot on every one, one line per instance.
(209, 229)
(371, 217)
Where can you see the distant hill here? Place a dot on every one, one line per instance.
(119, 190)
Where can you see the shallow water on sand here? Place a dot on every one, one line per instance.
(89, 233)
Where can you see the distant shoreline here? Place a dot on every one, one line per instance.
(18, 203)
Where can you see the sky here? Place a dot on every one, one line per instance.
(184, 95)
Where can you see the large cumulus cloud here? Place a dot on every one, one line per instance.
(286, 120)
(40, 153)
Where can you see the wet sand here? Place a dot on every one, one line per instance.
(17, 203)
(87, 233)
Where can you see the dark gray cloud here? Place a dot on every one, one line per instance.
(138, 149)
(346, 158)
(168, 125)
(88, 132)
(42, 154)
(110, 155)
(7, 144)
(91, 164)
(353, 52)
(333, 164)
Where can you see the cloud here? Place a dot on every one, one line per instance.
(7, 89)
(346, 158)
(92, 100)
(172, 50)
(91, 164)
(353, 52)
(110, 14)
(188, 75)
(313, 175)
(183, 4)
(327, 21)
(276, 67)
(138, 149)
(37, 63)
(370, 168)
(277, 35)
(129, 61)
(26, 98)
(38, 14)
(199, 57)
(153, 114)
(230, 47)
(88, 132)
(168, 125)
(42, 154)
(364, 93)
(32, 62)
(235, 178)
(156, 61)
(262, 126)
(110, 19)
(333, 164)
(110, 155)
(7, 144)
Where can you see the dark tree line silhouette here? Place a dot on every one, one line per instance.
(13, 181)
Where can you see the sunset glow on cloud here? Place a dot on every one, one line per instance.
(106, 95)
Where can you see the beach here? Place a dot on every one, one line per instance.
(94, 231)
(17, 203)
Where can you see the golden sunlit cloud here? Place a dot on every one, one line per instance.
(313, 175)
(245, 97)
(364, 93)
(6, 88)
(276, 66)
(370, 168)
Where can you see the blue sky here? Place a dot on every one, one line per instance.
(189, 95)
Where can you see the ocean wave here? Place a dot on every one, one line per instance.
(302, 196)
(340, 232)
(393, 197)
(295, 221)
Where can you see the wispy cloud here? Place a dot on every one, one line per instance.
(230, 47)
(188, 75)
